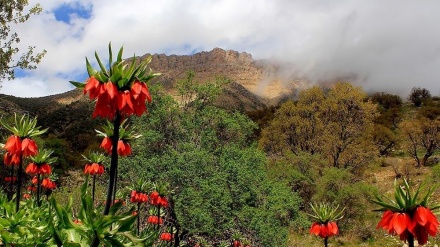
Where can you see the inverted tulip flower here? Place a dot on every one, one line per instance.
(155, 220)
(11, 159)
(48, 184)
(166, 236)
(120, 89)
(94, 167)
(408, 215)
(21, 145)
(123, 146)
(40, 166)
(325, 216)
(29, 147)
(139, 196)
(13, 145)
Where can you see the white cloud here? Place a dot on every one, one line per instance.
(388, 45)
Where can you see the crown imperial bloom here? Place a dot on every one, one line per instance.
(410, 218)
(13, 145)
(94, 169)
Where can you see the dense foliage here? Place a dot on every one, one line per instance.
(218, 175)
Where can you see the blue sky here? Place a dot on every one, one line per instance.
(382, 45)
(65, 12)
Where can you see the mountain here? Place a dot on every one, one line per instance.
(254, 85)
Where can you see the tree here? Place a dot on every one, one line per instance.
(218, 176)
(419, 95)
(336, 124)
(12, 13)
(421, 138)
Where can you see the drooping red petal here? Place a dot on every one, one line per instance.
(421, 215)
(136, 89)
(11, 159)
(127, 149)
(133, 196)
(386, 219)
(111, 89)
(399, 222)
(45, 169)
(324, 231)
(332, 228)
(32, 169)
(29, 147)
(92, 86)
(13, 145)
(154, 198)
(106, 144)
(121, 148)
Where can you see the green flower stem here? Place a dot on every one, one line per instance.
(158, 217)
(20, 171)
(139, 218)
(11, 184)
(93, 189)
(38, 189)
(113, 164)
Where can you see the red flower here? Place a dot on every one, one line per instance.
(324, 229)
(138, 197)
(236, 243)
(43, 169)
(48, 184)
(32, 188)
(77, 221)
(124, 148)
(125, 105)
(94, 169)
(10, 179)
(93, 87)
(105, 107)
(385, 222)
(166, 236)
(110, 89)
(424, 223)
(32, 169)
(13, 145)
(158, 200)
(29, 147)
(11, 159)
(155, 220)
(400, 222)
(154, 198)
(106, 144)
(26, 196)
(140, 94)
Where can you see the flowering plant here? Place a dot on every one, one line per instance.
(325, 216)
(408, 215)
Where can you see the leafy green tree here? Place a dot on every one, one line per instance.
(206, 154)
(12, 13)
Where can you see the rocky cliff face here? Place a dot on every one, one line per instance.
(259, 77)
